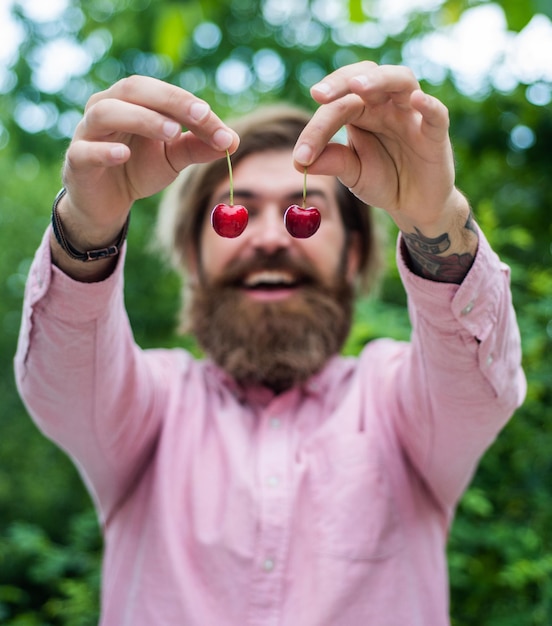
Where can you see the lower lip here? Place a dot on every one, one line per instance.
(269, 295)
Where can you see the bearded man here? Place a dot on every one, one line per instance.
(274, 481)
(272, 317)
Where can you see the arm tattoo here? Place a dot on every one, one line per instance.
(427, 260)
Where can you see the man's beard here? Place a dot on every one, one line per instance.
(279, 343)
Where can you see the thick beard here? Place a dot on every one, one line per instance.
(277, 344)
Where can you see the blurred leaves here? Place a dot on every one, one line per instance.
(173, 28)
(518, 14)
(356, 11)
(42, 582)
(236, 54)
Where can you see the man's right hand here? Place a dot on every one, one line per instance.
(130, 145)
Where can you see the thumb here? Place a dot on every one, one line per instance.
(335, 160)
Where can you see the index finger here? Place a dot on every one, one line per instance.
(175, 103)
(323, 126)
(373, 83)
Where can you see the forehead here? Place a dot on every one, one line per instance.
(272, 174)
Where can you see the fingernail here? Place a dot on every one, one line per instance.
(170, 129)
(199, 110)
(303, 154)
(117, 153)
(222, 139)
(322, 88)
(361, 80)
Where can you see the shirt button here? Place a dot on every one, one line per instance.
(490, 360)
(273, 481)
(468, 308)
(275, 423)
(268, 565)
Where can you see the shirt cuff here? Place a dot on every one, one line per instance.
(472, 304)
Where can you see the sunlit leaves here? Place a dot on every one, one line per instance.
(356, 12)
(518, 13)
(173, 27)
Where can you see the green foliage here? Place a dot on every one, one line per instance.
(46, 583)
(500, 548)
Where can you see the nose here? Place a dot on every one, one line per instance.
(267, 230)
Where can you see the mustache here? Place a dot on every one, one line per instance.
(237, 270)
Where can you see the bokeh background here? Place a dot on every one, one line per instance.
(490, 62)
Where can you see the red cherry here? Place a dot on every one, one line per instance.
(302, 222)
(229, 220)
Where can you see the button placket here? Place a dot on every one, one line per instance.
(274, 516)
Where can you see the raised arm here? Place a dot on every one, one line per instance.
(398, 157)
(129, 145)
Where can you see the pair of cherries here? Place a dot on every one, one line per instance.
(230, 220)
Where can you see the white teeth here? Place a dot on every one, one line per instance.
(271, 277)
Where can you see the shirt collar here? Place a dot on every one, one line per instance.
(321, 383)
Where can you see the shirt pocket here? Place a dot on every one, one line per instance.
(356, 516)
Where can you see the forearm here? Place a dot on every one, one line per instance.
(73, 232)
(442, 250)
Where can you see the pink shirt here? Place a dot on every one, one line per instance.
(328, 505)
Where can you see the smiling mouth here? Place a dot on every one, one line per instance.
(270, 280)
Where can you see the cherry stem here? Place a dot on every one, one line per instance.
(230, 178)
(305, 188)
